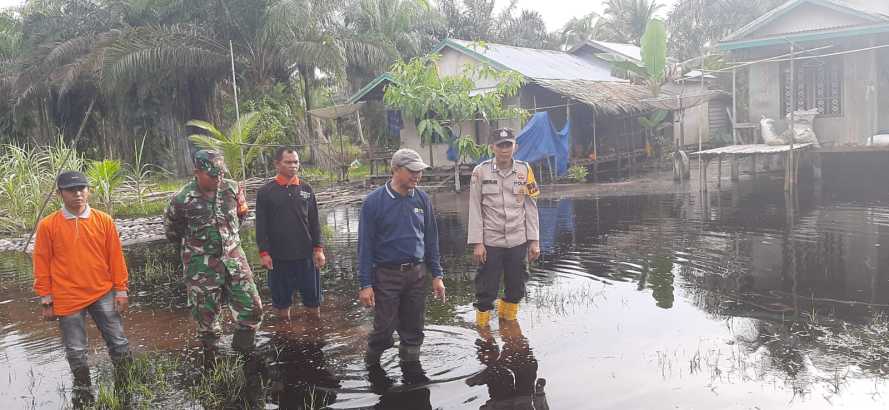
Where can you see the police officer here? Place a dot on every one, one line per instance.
(397, 245)
(503, 227)
(203, 219)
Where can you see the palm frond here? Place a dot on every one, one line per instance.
(206, 126)
(152, 49)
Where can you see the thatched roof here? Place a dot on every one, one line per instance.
(608, 97)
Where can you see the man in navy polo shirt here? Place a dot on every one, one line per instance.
(397, 244)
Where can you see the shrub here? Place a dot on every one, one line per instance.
(578, 173)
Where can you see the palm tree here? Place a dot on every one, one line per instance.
(625, 20)
(527, 29)
(10, 48)
(578, 30)
(404, 28)
(693, 23)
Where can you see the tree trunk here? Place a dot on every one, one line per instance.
(307, 100)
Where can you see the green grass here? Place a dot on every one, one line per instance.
(150, 380)
(159, 380)
(174, 184)
(225, 386)
(147, 208)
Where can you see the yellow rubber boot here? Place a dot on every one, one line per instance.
(482, 318)
(507, 311)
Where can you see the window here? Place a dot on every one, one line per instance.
(819, 84)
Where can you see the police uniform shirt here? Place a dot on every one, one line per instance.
(503, 205)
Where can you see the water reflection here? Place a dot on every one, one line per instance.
(419, 399)
(299, 372)
(678, 299)
(510, 372)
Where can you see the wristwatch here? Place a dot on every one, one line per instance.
(46, 304)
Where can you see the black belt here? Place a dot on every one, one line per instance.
(401, 267)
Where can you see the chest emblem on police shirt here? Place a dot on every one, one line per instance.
(305, 195)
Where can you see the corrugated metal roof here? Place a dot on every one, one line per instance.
(630, 51)
(862, 11)
(534, 63)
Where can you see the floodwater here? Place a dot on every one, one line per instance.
(730, 300)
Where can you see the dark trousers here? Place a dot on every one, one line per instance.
(400, 299)
(509, 263)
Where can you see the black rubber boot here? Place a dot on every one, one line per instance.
(81, 392)
(210, 345)
(372, 358)
(411, 370)
(380, 382)
(243, 342)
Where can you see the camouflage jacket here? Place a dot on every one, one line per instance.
(207, 228)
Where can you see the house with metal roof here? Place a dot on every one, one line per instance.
(828, 55)
(575, 85)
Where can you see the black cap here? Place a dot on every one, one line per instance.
(70, 179)
(502, 135)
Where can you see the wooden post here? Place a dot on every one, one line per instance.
(788, 171)
(619, 155)
(595, 151)
(631, 144)
(734, 106)
(704, 165)
(360, 130)
(370, 158)
(735, 171)
(789, 183)
(753, 166)
(816, 167)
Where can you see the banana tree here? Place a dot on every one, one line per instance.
(240, 146)
(652, 69)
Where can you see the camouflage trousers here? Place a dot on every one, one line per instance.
(212, 282)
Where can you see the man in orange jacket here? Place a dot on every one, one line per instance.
(79, 268)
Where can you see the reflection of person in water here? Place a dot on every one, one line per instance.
(510, 372)
(415, 399)
(298, 372)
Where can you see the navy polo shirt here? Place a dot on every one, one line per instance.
(396, 229)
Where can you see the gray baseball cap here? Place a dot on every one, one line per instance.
(409, 159)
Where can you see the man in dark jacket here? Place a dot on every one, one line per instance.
(397, 245)
(289, 237)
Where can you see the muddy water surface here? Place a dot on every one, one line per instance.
(729, 300)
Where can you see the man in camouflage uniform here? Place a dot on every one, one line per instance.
(203, 219)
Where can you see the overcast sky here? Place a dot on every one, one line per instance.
(7, 3)
(555, 12)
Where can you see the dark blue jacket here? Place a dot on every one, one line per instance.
(396, 229)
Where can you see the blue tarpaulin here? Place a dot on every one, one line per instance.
(539, 140)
